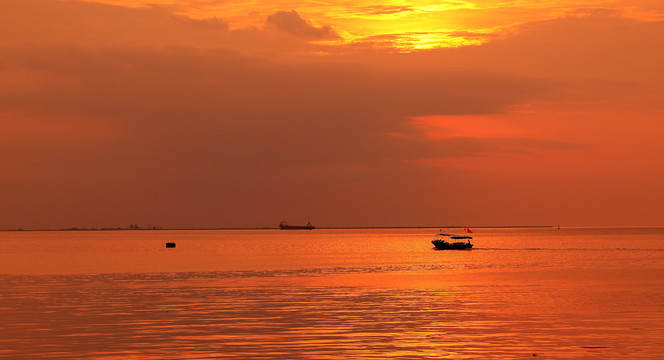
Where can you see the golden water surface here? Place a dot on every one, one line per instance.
(332, 294)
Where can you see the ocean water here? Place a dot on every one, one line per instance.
(545, 293)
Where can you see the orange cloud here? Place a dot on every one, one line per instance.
(151, 115)
(419, 25)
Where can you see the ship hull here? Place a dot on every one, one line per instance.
(296, 227)
(444, 245)
(284, 226)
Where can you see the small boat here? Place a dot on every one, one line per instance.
(284, 226)
(440, 241)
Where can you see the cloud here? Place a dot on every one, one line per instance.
(384, 9)
(205, 133)
(152, 90)
(93, 24)
(187, 126)
(292, 23)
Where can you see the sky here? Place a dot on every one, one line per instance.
(214, 113)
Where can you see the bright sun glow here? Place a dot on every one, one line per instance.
(405, 26)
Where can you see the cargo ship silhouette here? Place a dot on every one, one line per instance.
(284, 226)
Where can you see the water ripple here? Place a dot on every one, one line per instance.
(154, 318)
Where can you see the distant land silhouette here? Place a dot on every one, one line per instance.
(134, 227)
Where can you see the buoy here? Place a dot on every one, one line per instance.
(170, 245)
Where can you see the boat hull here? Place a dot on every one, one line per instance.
(444, 245)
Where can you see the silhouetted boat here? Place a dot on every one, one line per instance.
(441, 243)
(284, 226)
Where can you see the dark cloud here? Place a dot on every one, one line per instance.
(187, 125)
(292, 23)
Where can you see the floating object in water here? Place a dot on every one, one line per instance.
(170, 245)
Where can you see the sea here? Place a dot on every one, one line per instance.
(520, 293)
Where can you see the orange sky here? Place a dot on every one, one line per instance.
(204, 113)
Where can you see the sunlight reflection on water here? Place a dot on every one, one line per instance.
(163, 318)
(490, 303)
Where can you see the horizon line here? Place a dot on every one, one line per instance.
(277, 228)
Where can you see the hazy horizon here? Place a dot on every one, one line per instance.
(476, 229)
